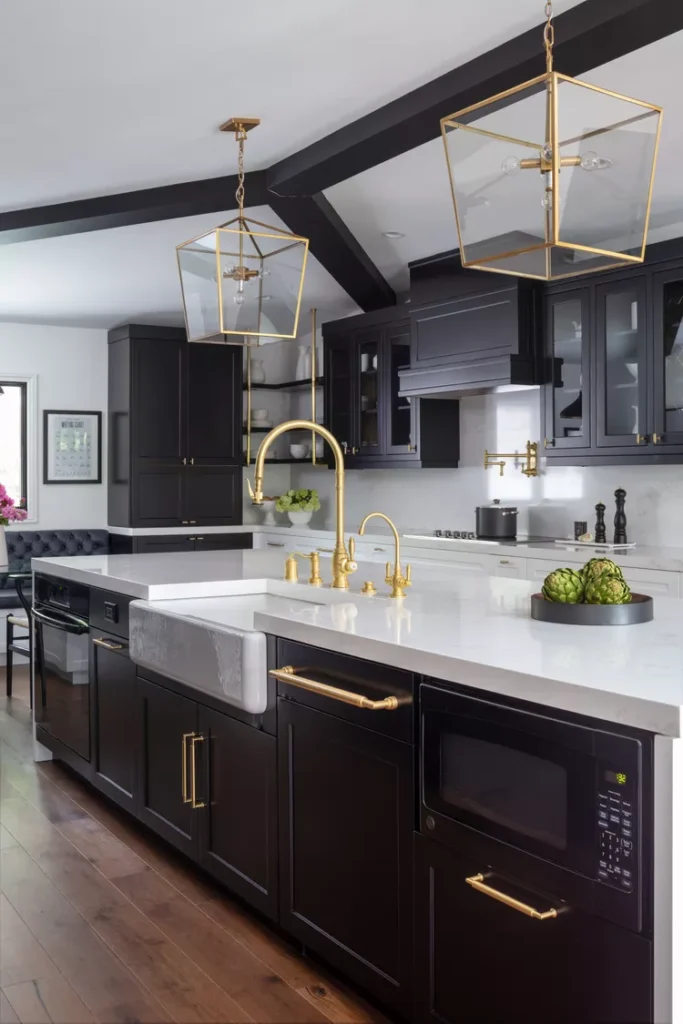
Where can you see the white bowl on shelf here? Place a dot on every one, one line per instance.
(299, 451)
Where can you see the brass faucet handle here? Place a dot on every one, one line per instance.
(388, 575)
(408, 579)
(350, 564)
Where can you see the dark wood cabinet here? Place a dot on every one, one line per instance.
(364, 408)
(113, 710)
(479, 960)
(238, 828)
(346, 804)
(169, 765)
(174, 429)
(615, 340)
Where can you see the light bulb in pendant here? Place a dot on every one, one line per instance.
(238, 297)
(510, 165)
(547, 201)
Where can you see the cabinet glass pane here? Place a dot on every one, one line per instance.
(672, 331)
(622, 351)
(400, 418)
(567, 354)
(369, 371)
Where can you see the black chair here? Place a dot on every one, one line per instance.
(19, 644)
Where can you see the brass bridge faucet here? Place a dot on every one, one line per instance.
(530, 467)
(396, 578)
(342, 562)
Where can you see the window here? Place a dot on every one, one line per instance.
(13, 434)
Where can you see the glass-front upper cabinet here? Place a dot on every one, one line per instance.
(620, 336)
(668, 358)
(400, 412)
(368, 369)
(568, 391)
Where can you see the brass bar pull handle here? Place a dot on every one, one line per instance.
(288, 675)
(109, 645)
(477, 882)
(194, 740)
(186, 737)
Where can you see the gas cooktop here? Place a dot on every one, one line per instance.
(470, 535)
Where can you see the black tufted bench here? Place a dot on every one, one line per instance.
(23, 545)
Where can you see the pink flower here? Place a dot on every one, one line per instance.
(9, 512)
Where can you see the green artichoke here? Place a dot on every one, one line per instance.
(563, 586)
(607, 589)
(597, 566)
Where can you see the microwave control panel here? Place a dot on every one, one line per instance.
(617, 839)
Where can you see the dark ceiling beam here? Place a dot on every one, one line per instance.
(335, 248)
(587, 36)
(187, 199)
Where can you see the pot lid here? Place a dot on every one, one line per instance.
(495, 504)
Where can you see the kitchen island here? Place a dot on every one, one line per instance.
(329, 806)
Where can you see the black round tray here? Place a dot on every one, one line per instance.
(639, 609)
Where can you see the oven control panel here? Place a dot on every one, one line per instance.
(617, 840)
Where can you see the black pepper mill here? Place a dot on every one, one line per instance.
(620, 517)
(600, 530)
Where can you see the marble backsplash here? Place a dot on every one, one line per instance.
(431, 499)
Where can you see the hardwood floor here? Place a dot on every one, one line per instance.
(99, 921)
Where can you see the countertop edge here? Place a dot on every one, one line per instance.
(652, 716)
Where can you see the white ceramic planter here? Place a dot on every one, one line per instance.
(4, 560)
(299, 518)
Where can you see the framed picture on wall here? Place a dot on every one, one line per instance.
(72, 447)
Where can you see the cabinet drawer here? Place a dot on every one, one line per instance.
(222, 541)
(356, 676)
(109, 612)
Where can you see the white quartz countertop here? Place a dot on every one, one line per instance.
(464, 628)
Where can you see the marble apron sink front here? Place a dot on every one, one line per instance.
(209, 644)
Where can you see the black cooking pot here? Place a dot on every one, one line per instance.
(496, 521)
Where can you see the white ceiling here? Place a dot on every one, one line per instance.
(411, 193)
(125, 275)
(102, 97)
(99, 97)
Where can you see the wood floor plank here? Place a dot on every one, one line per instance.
(47, 1001)
(22, 958)
(258, 990)
(98, 976)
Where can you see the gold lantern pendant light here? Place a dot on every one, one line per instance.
(552, 178)
(242, 281)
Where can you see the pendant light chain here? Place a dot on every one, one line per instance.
(239, 194)
(549, 36)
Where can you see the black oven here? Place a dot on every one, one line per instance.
(62, 676)
(570, 793)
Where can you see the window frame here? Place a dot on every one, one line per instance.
(29, 436)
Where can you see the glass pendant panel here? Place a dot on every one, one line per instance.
(604, 201)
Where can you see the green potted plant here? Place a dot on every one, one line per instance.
(299, 505)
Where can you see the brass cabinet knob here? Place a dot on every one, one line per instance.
(641, 438)
(548, 442)
(657, 438)
(354, 451)
(412, 447)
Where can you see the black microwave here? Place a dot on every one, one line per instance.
(567, 792)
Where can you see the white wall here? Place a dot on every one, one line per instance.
(549, 504)
(70, 364)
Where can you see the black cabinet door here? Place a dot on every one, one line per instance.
(368, 376)
(113, 710)
(667, 353)
(158, 545)
(238, 841)
(621, 364)
(479, 960)
(213, 391)
(212, 495)
(481, 325)
(339, 397)
(157, 498)
(346, 801)
(567, 393)
(157, 404)
(223, 541)
(169, 762)
(400, 419)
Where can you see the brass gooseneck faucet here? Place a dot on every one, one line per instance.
(397, 580)
(343, 563)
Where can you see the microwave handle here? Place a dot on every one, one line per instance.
(68, 624)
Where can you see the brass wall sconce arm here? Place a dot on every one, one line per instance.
(530, 467)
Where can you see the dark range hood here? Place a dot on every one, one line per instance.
(472, 332)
